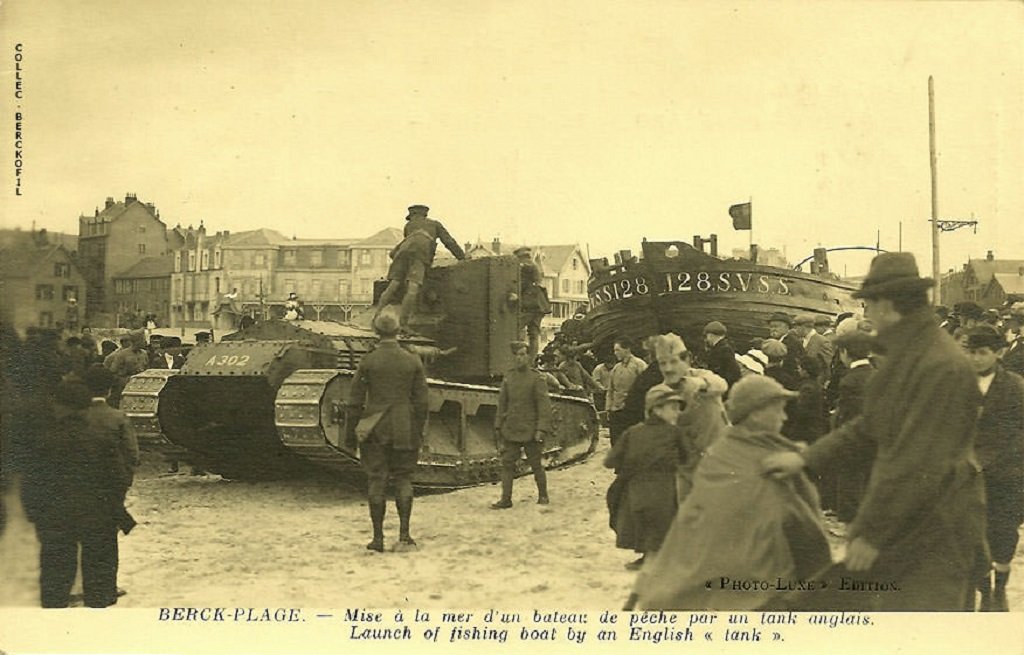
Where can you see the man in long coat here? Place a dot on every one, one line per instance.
(389, 395)
(522, 422)
(918, 537)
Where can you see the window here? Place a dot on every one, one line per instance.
(142, 229)
(344, 290)
(289, 286)
(204, 262)
(575, 263)
(314, 291)
(365, 258)
(142, 249)
(44, 292)
(580, 287)
(177, 262)
(258, 260)
(191, 260)
(46, 319)
(289, 256)
(61, 269)
(216, 284)
(565, 285)
(216, 259)
(365, 288)
(344, 258)
(316, 258)
(70, 291)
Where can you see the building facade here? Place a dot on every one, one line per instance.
(143, 292)
(113, 240)
(972, 282)
(40, 284)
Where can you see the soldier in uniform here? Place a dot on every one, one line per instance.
(522, 421)
(411, 258)
(389, 396)
(130, 360)
(533, 298)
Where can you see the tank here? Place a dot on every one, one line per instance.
(270, 400)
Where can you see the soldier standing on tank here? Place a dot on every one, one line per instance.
(411, 259)
(533, 298)
(522, 421)
(389, 394)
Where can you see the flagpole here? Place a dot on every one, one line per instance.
(750, 236)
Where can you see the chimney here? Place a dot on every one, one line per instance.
(468, 246)
(109, 203)
(990, 256)
(226, 234)
(714, 245)
(129, 198)
(496, 246)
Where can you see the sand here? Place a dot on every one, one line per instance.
(206, 541)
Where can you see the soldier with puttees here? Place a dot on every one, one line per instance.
(522, 422)
(920, 527)
(999, 444)
(389, 398)
(533, 297)
(413, 256)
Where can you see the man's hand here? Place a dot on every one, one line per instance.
(782, 465)
(860, 555)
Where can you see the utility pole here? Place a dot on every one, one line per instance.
(938, 225)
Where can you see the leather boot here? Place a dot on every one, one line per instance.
(999, 602)
(985, 589)
(377, 511)
(506, 491)
(404, 506)
(541, 478)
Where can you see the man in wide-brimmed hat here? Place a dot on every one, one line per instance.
(920, 525)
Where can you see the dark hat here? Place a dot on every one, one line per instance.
(892, 273)
(386, 323)
(418, 209)
(660, 394)
(781, 317)
(753, 392)
(822, 319)
(804, 319)
(968, 309)
(855, 338)
(522, 250)
(985, 336)
(715, 327)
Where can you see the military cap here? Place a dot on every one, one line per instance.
(781, 317)
(715, 327)
(892, 273)
(386, 323)
(516, 346)
(752, 393)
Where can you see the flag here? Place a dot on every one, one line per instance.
(741, 216)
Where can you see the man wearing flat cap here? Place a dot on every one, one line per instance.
(780, 326)
(999, 445)
(721, 356)
(815, 346)
(411, 258)
(920, 525)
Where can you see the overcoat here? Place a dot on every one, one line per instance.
(924, 504)
(391, 382)
(523, 406)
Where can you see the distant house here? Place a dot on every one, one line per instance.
(972, 283)
(38, 280)
(1003, 288)
(113, 240)
(144, 289)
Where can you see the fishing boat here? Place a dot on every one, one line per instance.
(677, 287)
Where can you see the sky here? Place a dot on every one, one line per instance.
(539, 122)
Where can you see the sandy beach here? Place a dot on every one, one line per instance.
(206, 541)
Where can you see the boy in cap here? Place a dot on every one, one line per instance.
(412, 258)
(737, 524)
(645, 460)
(999, 444)
(721, 357)
(522, 421)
